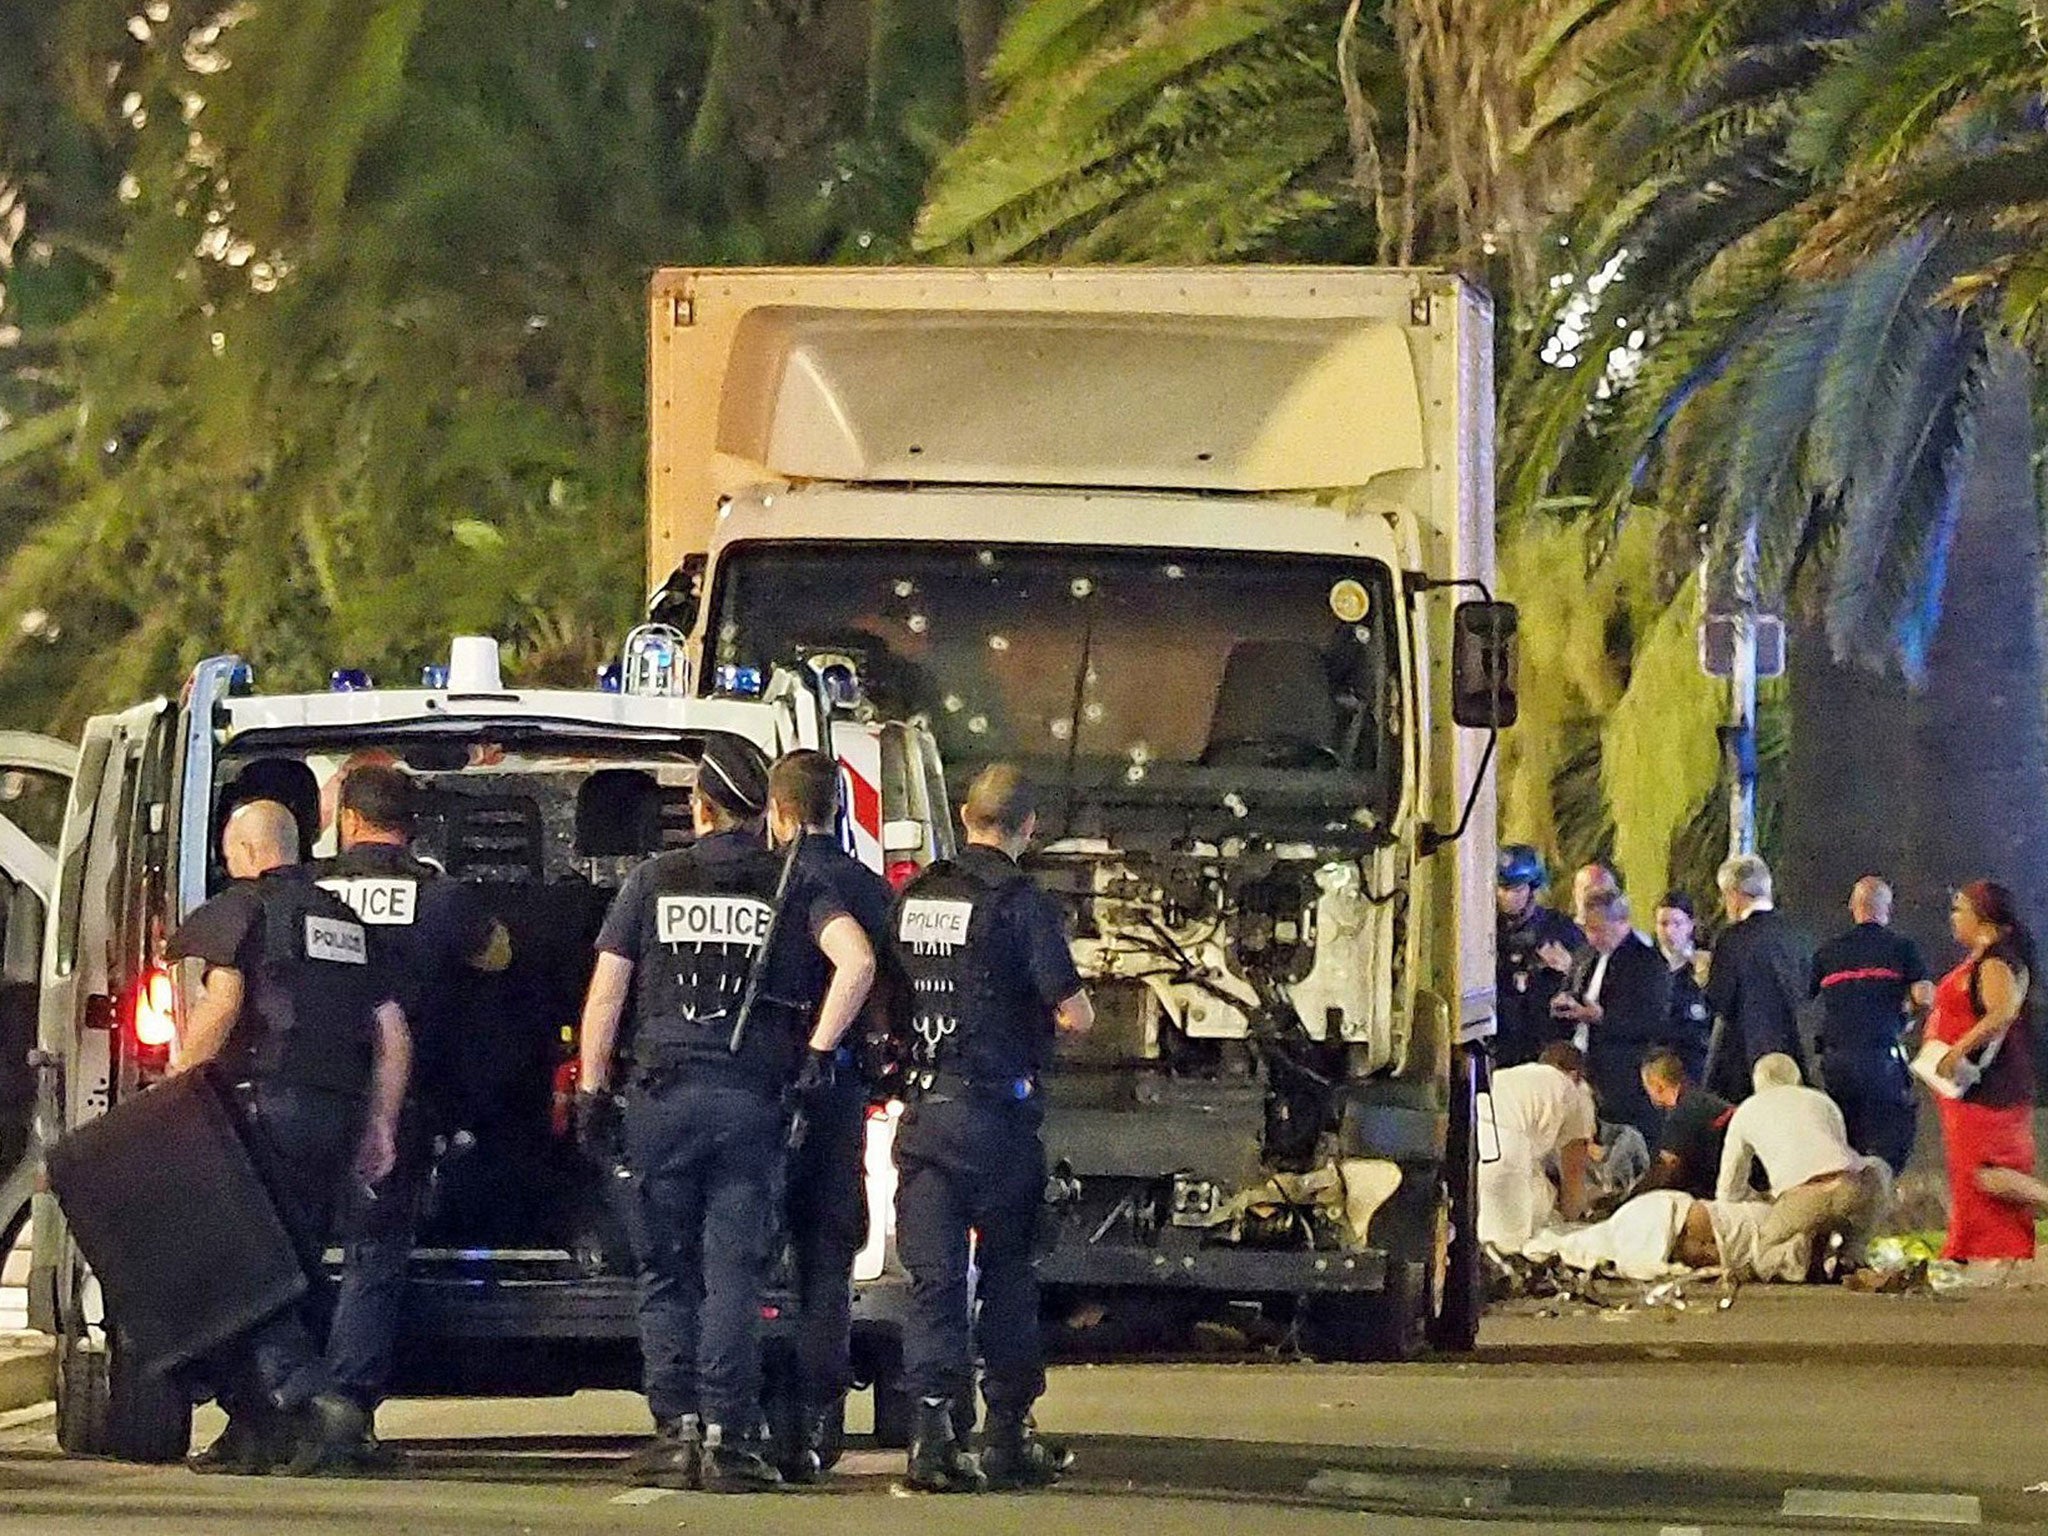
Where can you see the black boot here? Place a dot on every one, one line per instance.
(329, 1430)
(1012, 1455)
(249, 1447)
(796, 1455)
(675, 1459)
(937, 1463)
(736, 1465)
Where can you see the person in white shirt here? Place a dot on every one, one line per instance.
(1539, 1110)
(1820, 1185)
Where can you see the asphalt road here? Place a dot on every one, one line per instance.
(1807, 1410)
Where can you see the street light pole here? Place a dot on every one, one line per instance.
(1740, 734)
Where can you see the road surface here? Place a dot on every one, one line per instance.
(1792, 1410)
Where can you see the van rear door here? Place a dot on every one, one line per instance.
(35, 778)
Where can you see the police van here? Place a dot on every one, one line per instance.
(542, 800)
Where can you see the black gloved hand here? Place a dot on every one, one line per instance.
(597, 1124)
(818, 1073)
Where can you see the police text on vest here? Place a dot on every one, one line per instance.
(390, 902)
(329, 938)
(934, 923)
(739, 920)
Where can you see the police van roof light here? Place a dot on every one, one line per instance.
(652, 663)
(349, 680)
(740, 682)
(473, 665)
(433, 675)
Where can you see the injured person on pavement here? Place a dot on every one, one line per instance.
(1668, 1232)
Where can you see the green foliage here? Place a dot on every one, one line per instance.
(364, 364)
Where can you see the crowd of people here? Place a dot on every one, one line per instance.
(1749, 1107)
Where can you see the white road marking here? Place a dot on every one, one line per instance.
(1682, 1530)
(1920, 1508)
(642, 1496)
(1410, 1488)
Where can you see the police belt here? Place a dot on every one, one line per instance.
(943, 1086)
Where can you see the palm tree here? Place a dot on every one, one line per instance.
(1808, 357)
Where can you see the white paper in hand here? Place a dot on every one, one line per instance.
(1927, 1067)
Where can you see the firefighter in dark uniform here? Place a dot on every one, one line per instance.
(703, 1121)
(300, 1016)
(991, 978)
(439, 931)
(827, 1205)
(1533, 949)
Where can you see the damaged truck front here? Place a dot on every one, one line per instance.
(1208, 553)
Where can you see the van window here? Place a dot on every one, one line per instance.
(92, 767)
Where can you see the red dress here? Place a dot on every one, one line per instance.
(1977, 1134)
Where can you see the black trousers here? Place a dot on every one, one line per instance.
(1875, 1092)
(971, 1166)
(704, 1163)
(302, 1141)
(827, 1210)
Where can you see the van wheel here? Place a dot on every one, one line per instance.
(107, 1407)
(1372, 1326)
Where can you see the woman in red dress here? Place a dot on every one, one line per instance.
(1981, 1014)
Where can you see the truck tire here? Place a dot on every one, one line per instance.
(1461, 1298)
(107, 1407)
(1386, 1325)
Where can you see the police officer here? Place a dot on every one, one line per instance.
(1533, 948)
(827, 1206)
(703, 1129)
(991, 979)
(300, 1014)
(438, 930)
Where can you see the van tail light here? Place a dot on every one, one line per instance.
(562, 1106)
(900, 872)
(154, 1020)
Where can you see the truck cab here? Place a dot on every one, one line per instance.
(543, 800)
(1206, 553)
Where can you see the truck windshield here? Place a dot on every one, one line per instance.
(1141, 675)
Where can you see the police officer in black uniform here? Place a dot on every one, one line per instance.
(439, 931)
(827, 1206)
(703, 1121)
(991, 979)
(300, 1015)
(1533, 948)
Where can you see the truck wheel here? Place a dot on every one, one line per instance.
(1374, 1326)
(107, 1407)
(1461, 1296)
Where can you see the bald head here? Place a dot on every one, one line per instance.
(261, 836)
(1871, 901)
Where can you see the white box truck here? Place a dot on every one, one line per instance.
(1207, 552)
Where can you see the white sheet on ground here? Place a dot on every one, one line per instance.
(1636, 1241)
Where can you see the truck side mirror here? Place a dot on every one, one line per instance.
(1484, 662)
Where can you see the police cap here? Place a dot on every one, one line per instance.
(734, 774)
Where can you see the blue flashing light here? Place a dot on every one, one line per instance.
(349, 680)
(610, 678)
(433, 675)
(242, 680)
(743, 682)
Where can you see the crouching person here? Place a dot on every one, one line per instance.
(1541, 1110)
(1821, 1187)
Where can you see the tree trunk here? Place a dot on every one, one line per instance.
(1980, 750)
(1934, 788)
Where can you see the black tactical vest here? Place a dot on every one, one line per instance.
(966, 1017)
(309, 1011)
(701, 929)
